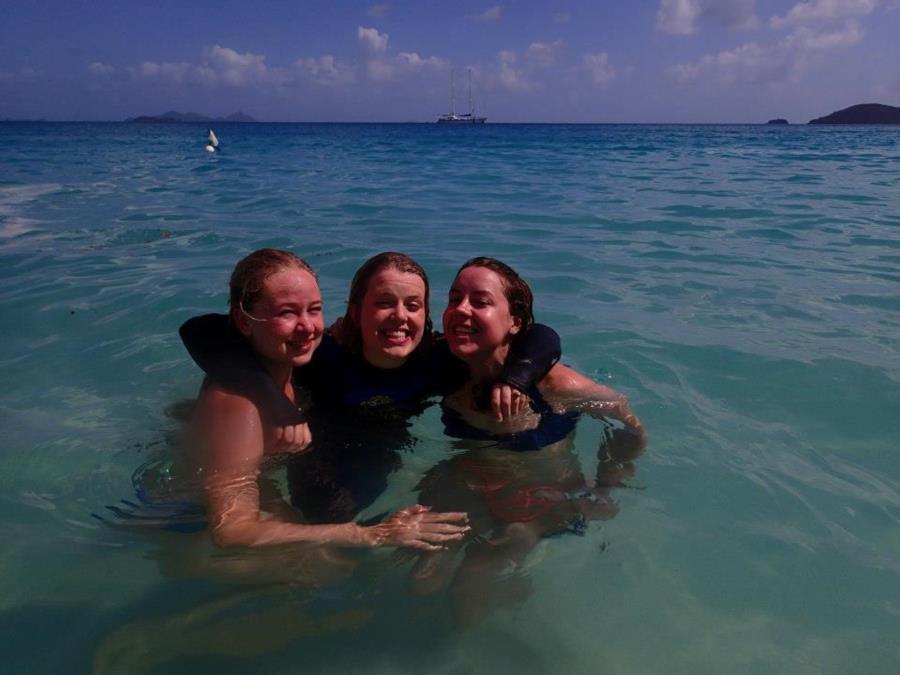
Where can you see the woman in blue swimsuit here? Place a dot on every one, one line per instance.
(513, 495)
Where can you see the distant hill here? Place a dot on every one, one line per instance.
(865, 113)
(174, 116)
(779, 120)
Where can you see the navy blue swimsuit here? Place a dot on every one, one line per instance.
(552, 427)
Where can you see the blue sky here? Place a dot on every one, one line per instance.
(600, 61)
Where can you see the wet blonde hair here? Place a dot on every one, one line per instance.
(250, 274)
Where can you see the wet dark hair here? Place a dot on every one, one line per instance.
(351, 332)
(518, 293)
(250, 274)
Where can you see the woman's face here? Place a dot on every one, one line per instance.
(477, 321)
(285, 323)
(392, 317)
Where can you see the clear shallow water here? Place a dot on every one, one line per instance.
(740, 284)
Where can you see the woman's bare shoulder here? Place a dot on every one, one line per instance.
(217, 401)
(228, 426)
(563, 380)
(569, 388)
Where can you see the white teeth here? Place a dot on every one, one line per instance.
(395, 333)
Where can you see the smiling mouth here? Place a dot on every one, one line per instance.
(396, 336)
(464, 330)
(302, 345)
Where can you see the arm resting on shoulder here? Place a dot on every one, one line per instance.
(217, 348)
(531, 356)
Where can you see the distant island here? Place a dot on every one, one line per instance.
(779, 120)
(865, 113)
(175, 117)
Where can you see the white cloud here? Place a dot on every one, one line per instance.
(324, 70)
(101, 69)
(544, 54)
(226, 67)
(489, 15)
(221, 66)
(781, 61)
(748, 63)
(236, 69)
(382, 67)
(541, 63)
(412, 60)
(509, 76)
(816, 27)
(599, 68)
(680, 17)
(844, 36)
(731, 14)
(403, 64)
(371, 40)
(822, 11)
(677, 16)
(178, 73)
(379, 9)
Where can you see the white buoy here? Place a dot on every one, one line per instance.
(213, 143)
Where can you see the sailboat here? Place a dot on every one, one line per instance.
(454, 117)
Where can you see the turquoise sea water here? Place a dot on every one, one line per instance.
(741, 284)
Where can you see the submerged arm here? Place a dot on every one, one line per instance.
(619, 447)
(231, 434)
(577, 392)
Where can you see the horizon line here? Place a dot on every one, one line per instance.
(498, 123)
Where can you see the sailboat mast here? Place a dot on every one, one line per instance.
(471, 109)
(452, 92)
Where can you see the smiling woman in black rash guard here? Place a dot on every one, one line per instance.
(276, 321)
(364, 385)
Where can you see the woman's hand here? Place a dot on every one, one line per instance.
(623, 445)
(507, 402)
(417, 527)
(296, 438)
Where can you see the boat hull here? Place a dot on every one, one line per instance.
(462, 120)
